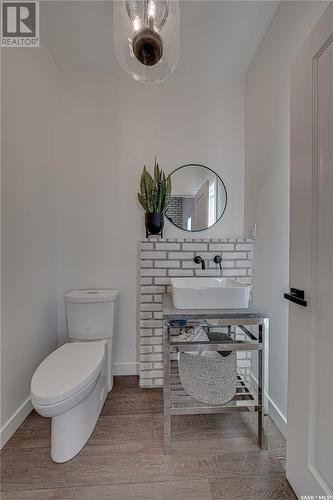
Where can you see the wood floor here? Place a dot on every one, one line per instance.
(214, 456)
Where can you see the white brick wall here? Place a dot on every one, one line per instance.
(162, 259)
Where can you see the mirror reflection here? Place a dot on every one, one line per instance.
(198, 198)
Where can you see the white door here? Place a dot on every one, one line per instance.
(310, 379)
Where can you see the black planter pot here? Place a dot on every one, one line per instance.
(154, 223)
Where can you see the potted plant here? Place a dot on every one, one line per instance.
(154, 198)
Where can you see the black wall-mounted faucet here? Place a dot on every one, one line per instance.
(199, 260)
(218, 260)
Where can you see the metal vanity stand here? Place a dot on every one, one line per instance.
(236, 323)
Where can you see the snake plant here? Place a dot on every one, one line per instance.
(155, 192)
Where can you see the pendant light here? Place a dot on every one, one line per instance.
(146, 38)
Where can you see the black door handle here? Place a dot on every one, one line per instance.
(297, 296)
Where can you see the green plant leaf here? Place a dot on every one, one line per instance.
(159, 200)
(156, 171)
(142, 202)
(142, 183)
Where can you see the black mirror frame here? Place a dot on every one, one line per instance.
(226, 198)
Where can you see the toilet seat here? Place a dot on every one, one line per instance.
(66, 371)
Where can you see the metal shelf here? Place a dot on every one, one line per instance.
(178, 402)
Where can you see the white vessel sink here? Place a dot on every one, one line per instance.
(209, 293)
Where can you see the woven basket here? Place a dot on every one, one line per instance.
(209, 378)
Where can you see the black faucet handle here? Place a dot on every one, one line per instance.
(218, 260)
(199, 260)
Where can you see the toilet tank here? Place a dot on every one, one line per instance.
(91, 314)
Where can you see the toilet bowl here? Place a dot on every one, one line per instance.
(72, 383)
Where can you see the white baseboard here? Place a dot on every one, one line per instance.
(125, 368)
(14, 422)
(273, 410)
(277, 416)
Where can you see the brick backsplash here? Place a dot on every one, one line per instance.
(162, 259)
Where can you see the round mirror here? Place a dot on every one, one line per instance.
(198, 198)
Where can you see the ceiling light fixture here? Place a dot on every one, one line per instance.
(146, 38)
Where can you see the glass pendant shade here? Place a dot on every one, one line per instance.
(146, 38)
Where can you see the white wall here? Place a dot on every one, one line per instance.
(29, 313)
(267, 178)
(110, 126)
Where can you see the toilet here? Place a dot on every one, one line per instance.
(72, 383)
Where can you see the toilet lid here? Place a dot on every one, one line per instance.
(66, 371)
(83, 296)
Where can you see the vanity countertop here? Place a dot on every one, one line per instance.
(171, 313)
